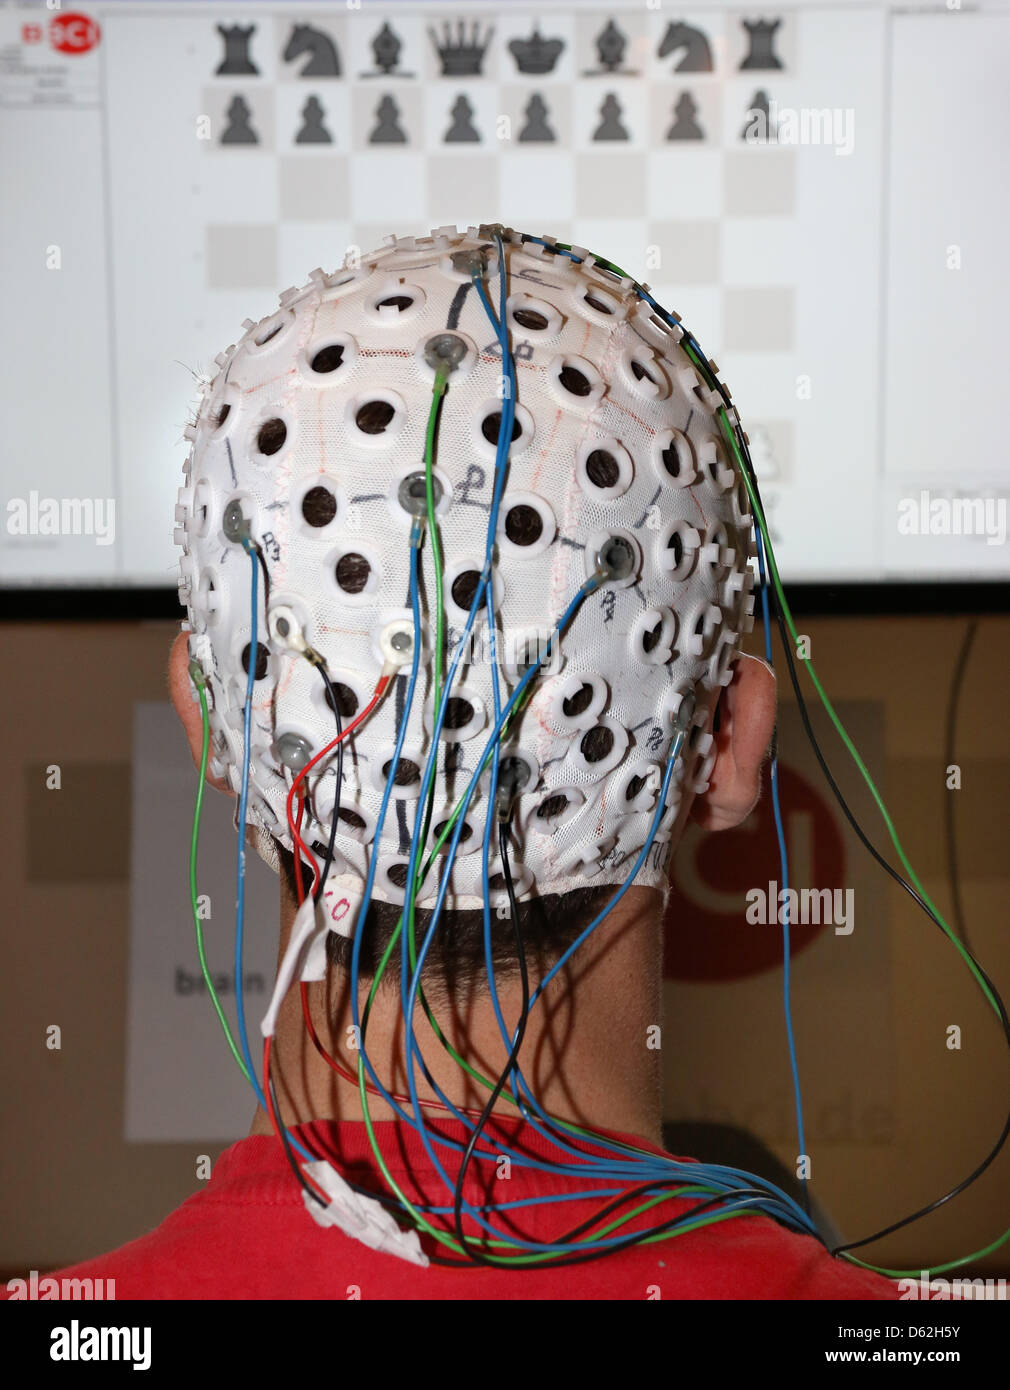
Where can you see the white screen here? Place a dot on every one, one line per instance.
(848, 276)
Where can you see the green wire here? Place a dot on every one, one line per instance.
(892, 832)
(839, 726)
(703, 366)
(201, 687)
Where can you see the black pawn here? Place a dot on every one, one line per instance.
(537, 127)
(238, 130)
(387, 130)
(462, 131)
(313, 132)
(759, 128)
(685, 127)
(611, 127)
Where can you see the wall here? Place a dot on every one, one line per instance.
(71, 1186)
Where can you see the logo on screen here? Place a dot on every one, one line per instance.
(73, 33)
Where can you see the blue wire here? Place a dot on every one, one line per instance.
(243, 806)
(635, 1164)
(784, 870)
(776, 806)
(504, 439)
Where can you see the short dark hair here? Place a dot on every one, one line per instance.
(456, 958)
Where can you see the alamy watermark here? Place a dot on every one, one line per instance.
(954, 515)
(62, 516)
(770, 123)
(802, 907)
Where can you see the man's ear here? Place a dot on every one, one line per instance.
(742, 725)
(181, 690)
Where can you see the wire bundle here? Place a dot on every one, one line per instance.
(629, 1182)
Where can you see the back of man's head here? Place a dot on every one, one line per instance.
(333, 435)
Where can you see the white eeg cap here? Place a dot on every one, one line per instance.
(312, 423)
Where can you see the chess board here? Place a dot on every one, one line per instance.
(269, 139)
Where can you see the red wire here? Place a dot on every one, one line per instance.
(377, 695)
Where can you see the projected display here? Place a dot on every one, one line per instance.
(810, 189)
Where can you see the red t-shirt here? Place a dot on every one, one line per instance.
(247, 1235)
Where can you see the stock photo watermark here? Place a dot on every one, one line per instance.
(957, 514)
(62, 516)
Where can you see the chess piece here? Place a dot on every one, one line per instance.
(611, 46)
(462, 131)
(759, 128)
(386, 48)
(238, 130)
(537, 127)
(760, 54)
(685, 127)
(697, 49)
(236, 60)
(388, 130)
(313, 132)
(460, 53)
(324, 61)
(536, 55)
(611, 126)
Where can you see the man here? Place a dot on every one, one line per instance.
(507, 434)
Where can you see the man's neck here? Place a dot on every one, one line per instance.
(589, 1053)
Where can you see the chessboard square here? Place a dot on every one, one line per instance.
(688, 117)
(390, 47)
(460, 48)
(385, 117)
(473, 199)
(240, 51)
(301, 246)
(616, 239)
(760, 47)
(689, 253)
(241, 118)
(760, 182)
(535, 187)
(313, 190)
(228, 188)
(390, 190)
(609, 182)
(313, 118)
(759, 320)
(533, 50)
(542, 118)
(239, 256)
(311, 48)
(687, 46)
(463, 119)
(611, 45)
(760, 250)
(684, 181)
(611, 116)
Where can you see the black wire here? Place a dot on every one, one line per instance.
(335, 703)
(850, 817)
(266, 573)
(286, 1142)
(951, 801)
(635, 1238)
(513, 1057)
(474, 1254)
